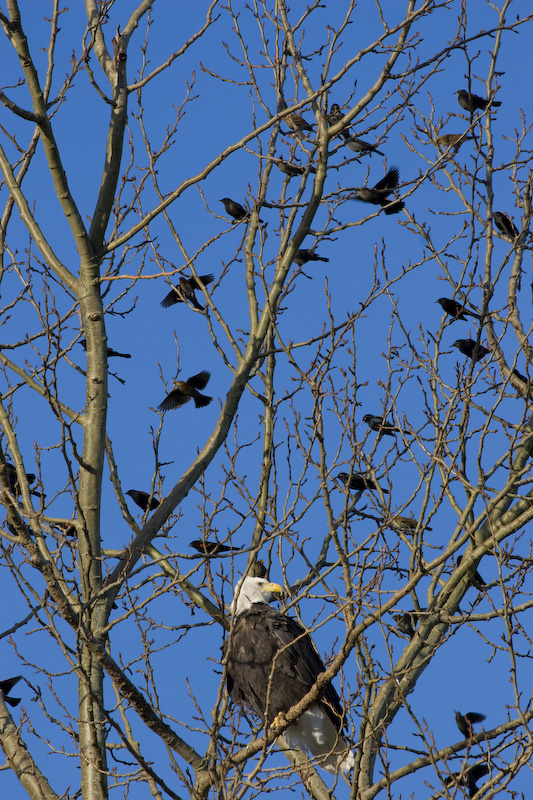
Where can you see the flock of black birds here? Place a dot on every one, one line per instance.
(185, 290)
(406, 622)
(184, 391)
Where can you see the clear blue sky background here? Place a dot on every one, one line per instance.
(461, 676)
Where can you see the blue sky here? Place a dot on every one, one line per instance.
(463, 674)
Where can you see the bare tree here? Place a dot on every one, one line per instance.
(333, 434)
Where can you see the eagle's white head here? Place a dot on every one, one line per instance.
(254, 590)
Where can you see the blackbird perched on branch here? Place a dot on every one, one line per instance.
(184, 390)
(455, 309)
(519, 375)
(301, 257)
(378, 195)
(472, 102)
(379, 425)
(184, 291)
(358, 145)
(233, 209)
(141, 499)
(358, 482)
(469, 778)
(110, 352)
(13, 484)
(211, 548)
(505, 224)
(465, 723)
(472, 349)
(6, 686)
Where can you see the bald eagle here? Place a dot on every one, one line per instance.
(272, 663)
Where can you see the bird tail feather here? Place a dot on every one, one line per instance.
(315, 732)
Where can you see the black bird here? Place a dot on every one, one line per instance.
(454, 140)
(472, 349)
(465, 723)
(475, 579)
(379, 425)
(505, 224)
(69, 529)
(184, 390)
(406, 623)
(184, 291)
(291, 169)
(358, 482)
(110, 352)
(211, 548)
(519, 375)
(6, 686)
(13, 483)
(455, 309)
(141, 499)
(233, 209)
(469, 778)
(378, 195)
(301, 257)
(472, 102)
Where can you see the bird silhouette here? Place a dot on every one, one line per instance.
(13, 484)
(405, 524)
(358, 482)
(472, 349)
(455, 309)
(301, 257)
(465, 723)
(296, 122)
(184, 291)
(472, 102)
(359, 146)
(110, 352)
(6, 686)
(469, 777)
(233, 209)
(505, 224)
(379, 425)
(291, 169)
(207, 548)
(184, 390)
(454, 140)
(519, 375)
(334, 115)
(141, 499)
(378, 195)
(406, 623)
